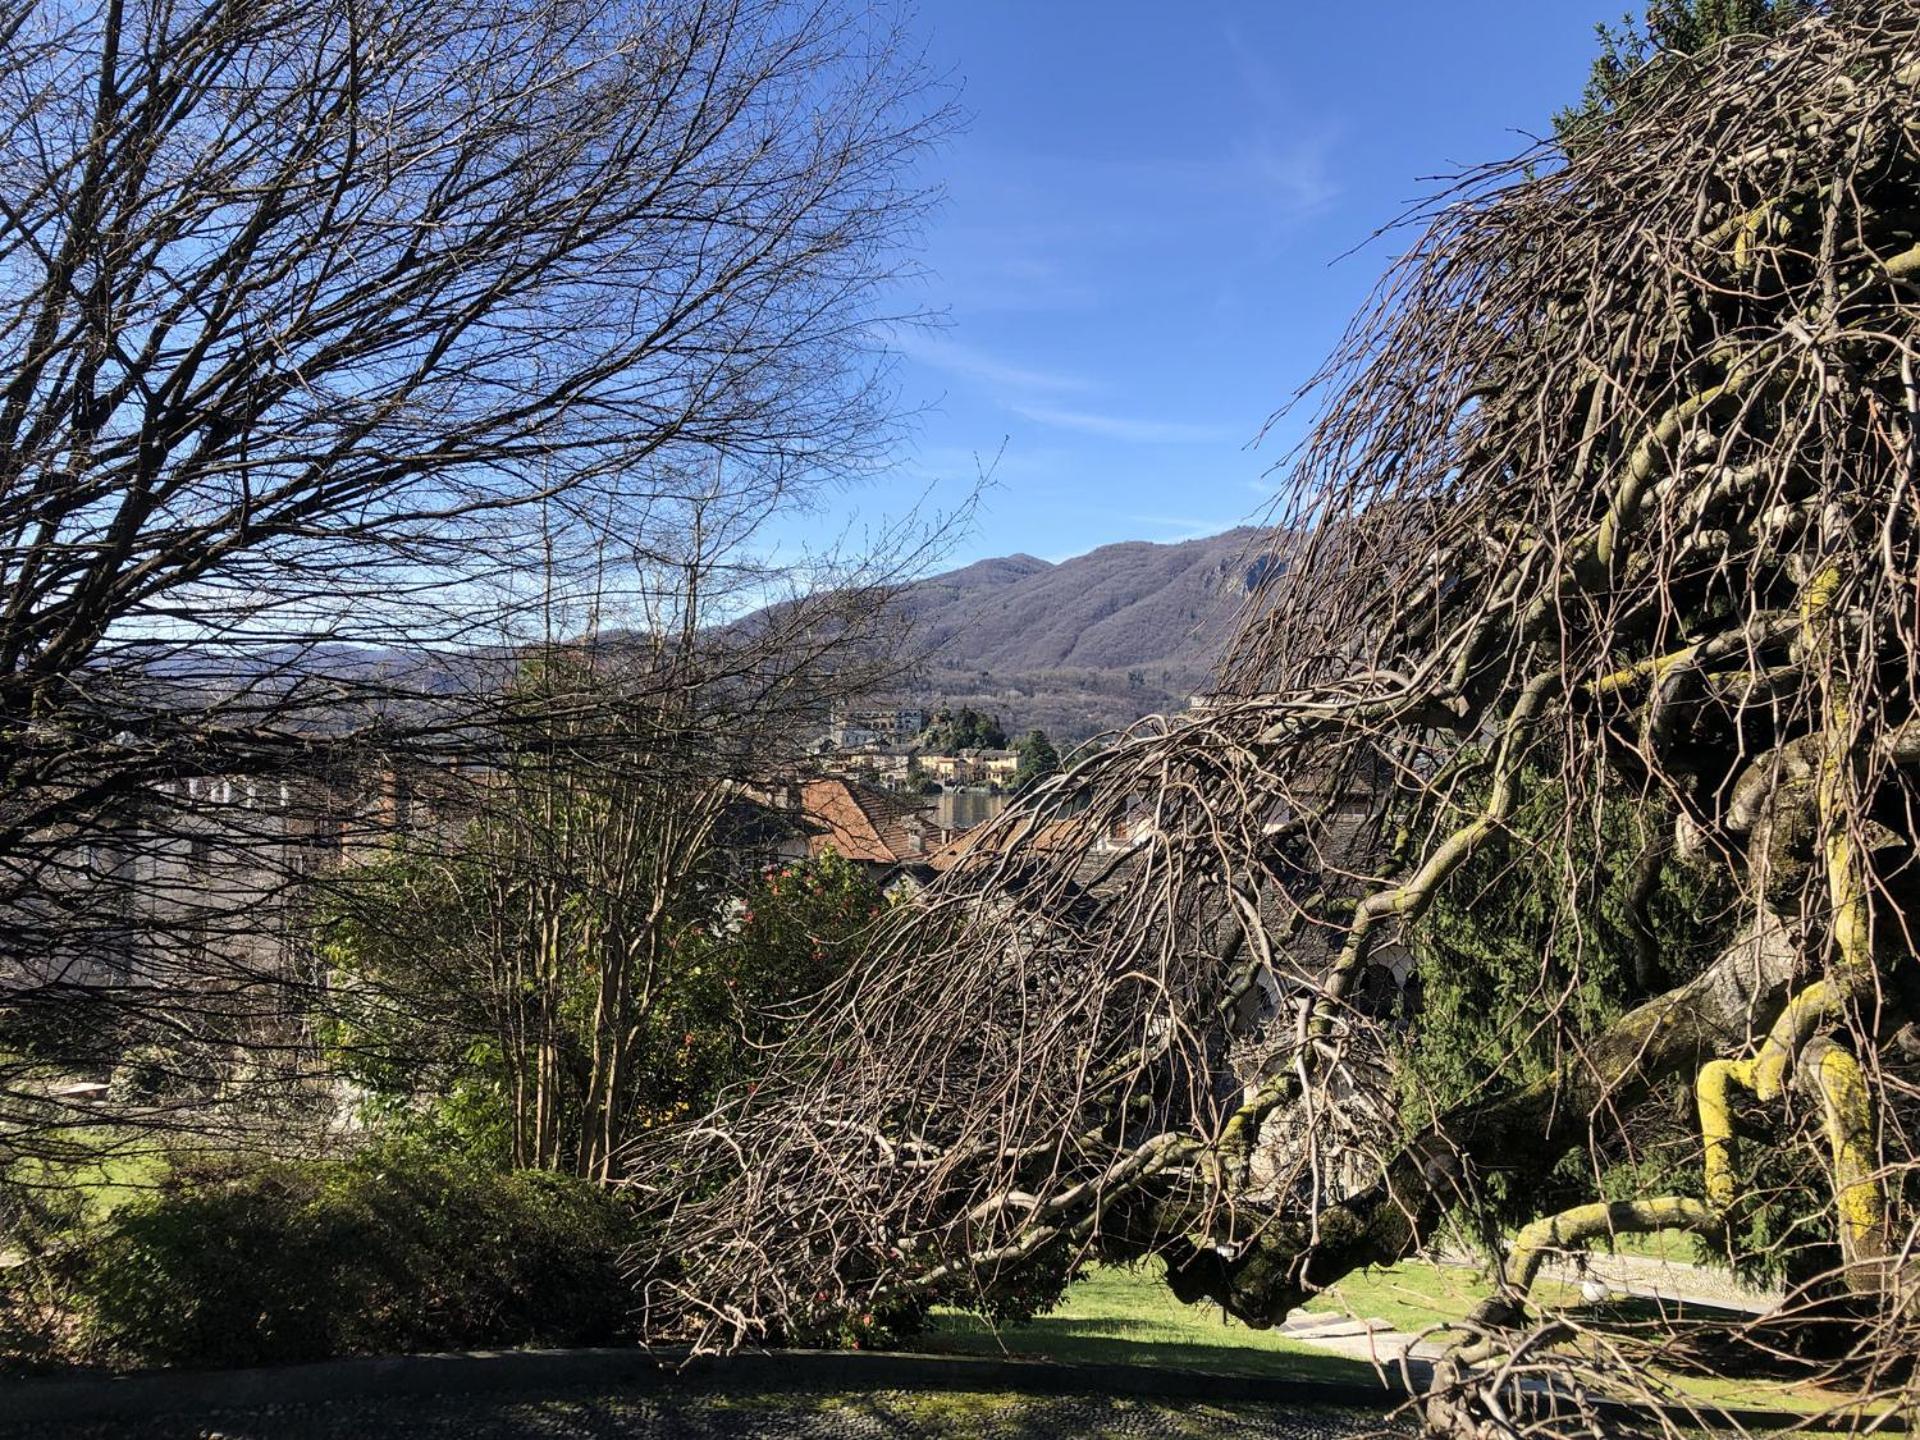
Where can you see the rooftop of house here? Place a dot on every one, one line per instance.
(861, 823)
(990, 839)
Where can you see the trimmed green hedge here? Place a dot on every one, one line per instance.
(378, 1255)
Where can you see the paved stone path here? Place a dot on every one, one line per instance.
(1378, 1343)
(1374, 1341)
(1663, 1280)
(880, 1415)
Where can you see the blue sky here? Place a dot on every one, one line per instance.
(1138, 256)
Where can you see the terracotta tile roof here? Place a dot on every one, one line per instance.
(861, 823)
(987, 839)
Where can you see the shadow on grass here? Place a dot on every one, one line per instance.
(938, 1415)
(1145, 1343)
(1635, 1311)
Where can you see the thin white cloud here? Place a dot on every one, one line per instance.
(1292, 175)
(1127, 428)
(1285, 153)
(972, 364)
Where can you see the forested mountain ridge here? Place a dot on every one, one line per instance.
(1085, 644)
(1133, 605)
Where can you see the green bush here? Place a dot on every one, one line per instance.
(35, 1225)
(416, 1021)
(383, 1254)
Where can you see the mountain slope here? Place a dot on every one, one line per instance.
(1130, 606)
(1085, 645)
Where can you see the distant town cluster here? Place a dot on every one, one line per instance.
(919, 751)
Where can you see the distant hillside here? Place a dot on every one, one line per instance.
(1129, 606)
(1088, 644)
(1075, 648)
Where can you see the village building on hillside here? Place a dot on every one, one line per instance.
(195, 878)
(1100, 844)
(972, 767)
(877, 767)
(861, 729)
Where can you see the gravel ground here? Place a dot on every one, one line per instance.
(880, 1415)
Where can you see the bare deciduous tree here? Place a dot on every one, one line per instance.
(637, 782)
(327, 326)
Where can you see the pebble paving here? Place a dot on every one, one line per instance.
(879, 1415)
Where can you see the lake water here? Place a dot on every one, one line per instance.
(961, 809)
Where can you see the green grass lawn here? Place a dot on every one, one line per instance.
(104, 1173)
(1675, 1246)
(1128, 1316)
(113, 1168)
(1411, 1296)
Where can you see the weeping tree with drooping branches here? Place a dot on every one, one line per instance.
(1600, 566)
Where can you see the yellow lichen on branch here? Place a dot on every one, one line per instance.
(1793, 1039)
(1847, 1119)
(1713, 1095)
(1573, 1228)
